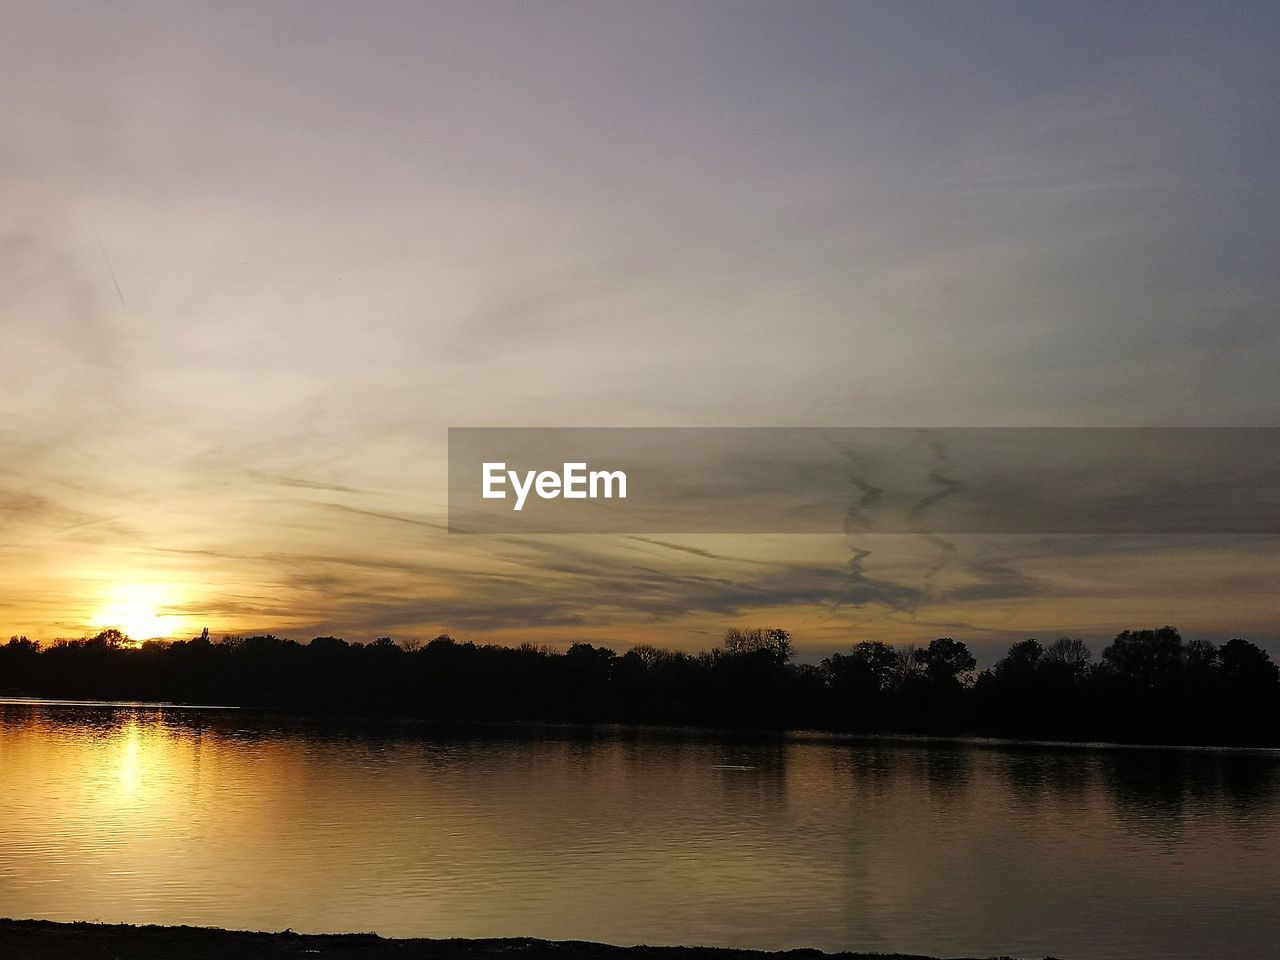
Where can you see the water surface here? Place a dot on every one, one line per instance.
(147, 814)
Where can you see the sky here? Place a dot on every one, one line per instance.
(256, 259)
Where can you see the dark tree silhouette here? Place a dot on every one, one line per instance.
(1149, 686)
(947, 662)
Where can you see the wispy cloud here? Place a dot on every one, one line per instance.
(252, 274)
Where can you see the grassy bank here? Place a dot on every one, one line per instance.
(44, 940)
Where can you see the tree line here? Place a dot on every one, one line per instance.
(1148, 686)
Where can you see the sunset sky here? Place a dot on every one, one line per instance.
(257, 258)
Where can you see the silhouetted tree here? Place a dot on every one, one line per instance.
(1151, 686)
(932, 696)
(861, 682)
(1248, 691)
(772, 641)
(1145, 659)
(1072, 652)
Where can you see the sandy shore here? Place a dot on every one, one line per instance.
(44, 940)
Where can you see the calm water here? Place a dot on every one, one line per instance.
(151, 815)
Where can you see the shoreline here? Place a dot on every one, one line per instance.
(52, 940)
(683, 731)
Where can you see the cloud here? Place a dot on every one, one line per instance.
(332, 244)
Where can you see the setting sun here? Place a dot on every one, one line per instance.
(137, 610)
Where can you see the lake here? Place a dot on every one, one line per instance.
(146, 814)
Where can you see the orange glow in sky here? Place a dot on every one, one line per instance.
(137, 609)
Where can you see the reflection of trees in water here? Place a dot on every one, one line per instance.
(880, 790)
(100, 721)
(871, 770)
(907, 806)
(1249, 782)
(1036, 776)
(752, 778)
(1154, 791)
(949, 770)
(745, 769)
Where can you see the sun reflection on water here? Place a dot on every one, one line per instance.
(130, 764)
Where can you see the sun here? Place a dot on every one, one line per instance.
(135, 609)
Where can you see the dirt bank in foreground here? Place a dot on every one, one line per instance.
(44, 940)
